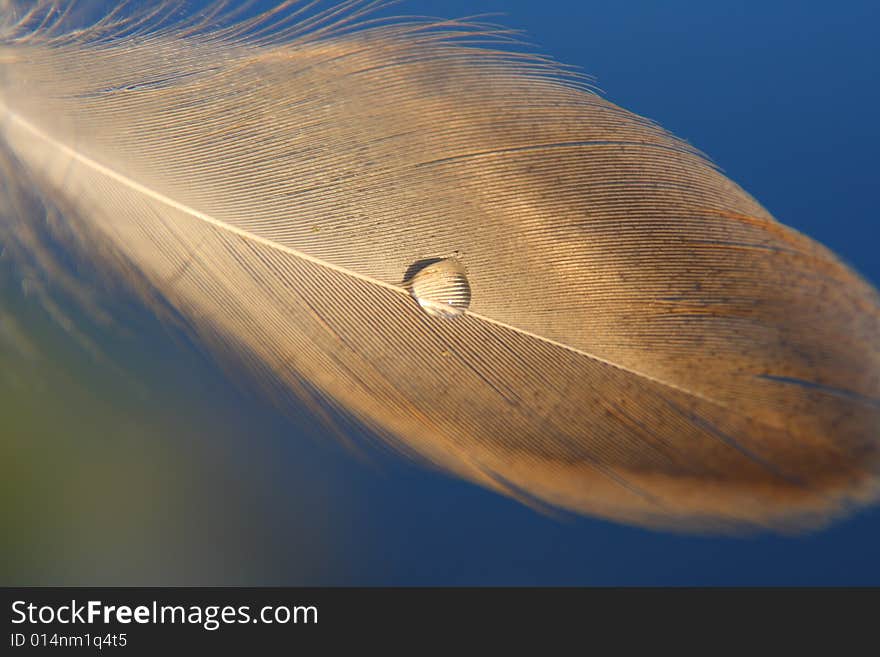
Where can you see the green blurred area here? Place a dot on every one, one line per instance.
(128, 458)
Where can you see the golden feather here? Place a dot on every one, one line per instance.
(629, 333)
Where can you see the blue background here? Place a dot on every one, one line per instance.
(783, 95)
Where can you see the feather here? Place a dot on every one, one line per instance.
(463, 248)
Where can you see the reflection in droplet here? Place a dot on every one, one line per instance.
(440, 285)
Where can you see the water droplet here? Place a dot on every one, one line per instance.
(440, 285)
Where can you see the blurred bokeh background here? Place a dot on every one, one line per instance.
(128, 457)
